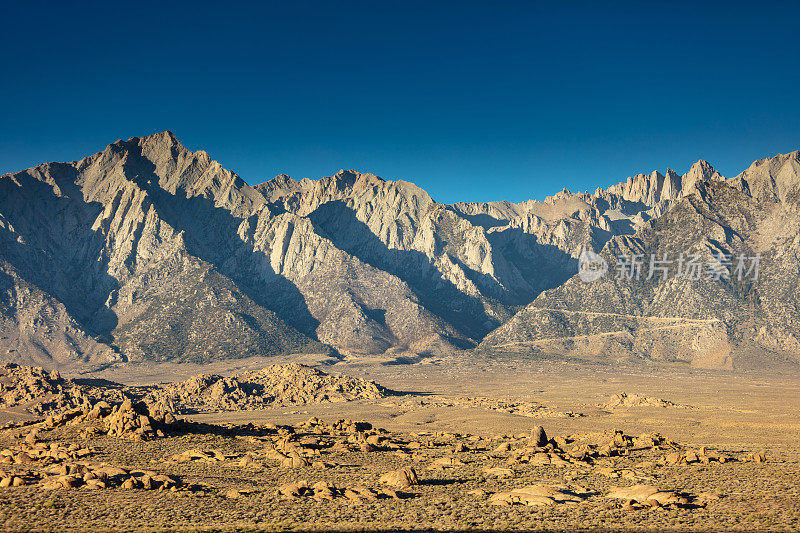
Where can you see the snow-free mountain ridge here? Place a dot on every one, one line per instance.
(147, 251)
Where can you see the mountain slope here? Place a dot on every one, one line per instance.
(100, 236)
(148, 251)
(736, 319)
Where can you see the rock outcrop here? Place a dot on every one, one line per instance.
(34, 390)
(276, 385)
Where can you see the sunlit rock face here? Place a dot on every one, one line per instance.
(147, 251)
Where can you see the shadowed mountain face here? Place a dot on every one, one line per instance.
(147, 251)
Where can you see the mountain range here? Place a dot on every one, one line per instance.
(147, 251)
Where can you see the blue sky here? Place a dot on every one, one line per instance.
(473, 101)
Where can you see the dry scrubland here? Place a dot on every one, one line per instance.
(450, 444)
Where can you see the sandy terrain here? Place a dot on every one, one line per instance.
(454, 407)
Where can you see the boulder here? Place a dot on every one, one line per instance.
(293, 490)
(644, 493)
(498, 471)
(539, 437)
(402, 478)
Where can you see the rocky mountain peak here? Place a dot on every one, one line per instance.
(163, 138)
(700, 171)
(642, 188)
(346, 180)
(775, 178)
(148, 250)
(159, 145)
(283, 179)
(657, 190)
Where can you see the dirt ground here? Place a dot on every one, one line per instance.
(438, 420)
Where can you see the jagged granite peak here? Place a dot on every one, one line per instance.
(572, 222)
(161, 160)
(701, 170)
(655, 189)
(108, 236)
(149, 251)
(773, 178)
(303, 196)
(728, 321)
(149, 212)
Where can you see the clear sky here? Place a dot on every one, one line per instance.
(472, 101)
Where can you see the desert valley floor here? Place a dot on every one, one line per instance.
(452, 448)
